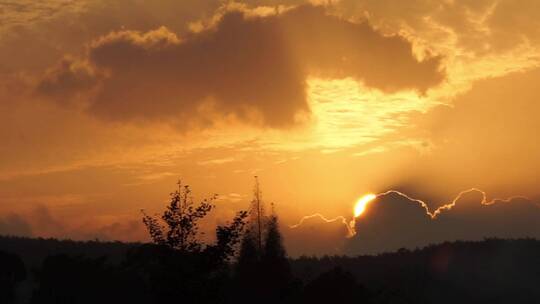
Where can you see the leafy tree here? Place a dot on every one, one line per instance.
(182, 266)
(229, 236)
(181, 219)
(178, 227)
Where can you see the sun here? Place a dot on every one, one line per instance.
(362, 203)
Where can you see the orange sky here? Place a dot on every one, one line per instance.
(105, 104)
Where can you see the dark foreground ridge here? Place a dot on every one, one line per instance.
(53, 271)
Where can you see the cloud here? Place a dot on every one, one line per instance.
(68, 79)
(34, 35)
(389, 223)
(232, 197)
(486, 139)
(478, 27)
(41, 223)
(129, 231)
(217, 161)
(245, 66)
(316, 236)
(38, 222)
(393, 221)
(45, 223)
(14, 225)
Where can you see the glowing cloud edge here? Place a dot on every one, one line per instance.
(366, 199)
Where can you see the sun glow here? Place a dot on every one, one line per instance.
(362, 203)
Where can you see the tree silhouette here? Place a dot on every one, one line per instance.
(277, 276)
(178, 228)
(489, 271)
(247, 270)
(334, 286)
(81, 280)
(257, 214)
(228, 236)
(252, 245)
(249, 255)
(273, 247)
(181, 220)
(12, 271)
(262, 270)
(181, 266)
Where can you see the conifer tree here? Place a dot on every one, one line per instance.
(248, 266)
(257, 215)
(251, 247)
(275, 266)
(248, 258)
(273, 246)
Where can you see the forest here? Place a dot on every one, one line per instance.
(248, 263)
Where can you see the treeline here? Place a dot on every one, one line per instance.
(248, 264)
(34, 250)
(489, 271)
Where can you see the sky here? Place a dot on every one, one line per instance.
(105, 105)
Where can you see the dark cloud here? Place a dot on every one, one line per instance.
(38, 222)
(47, 224)
(316, 237)
(69, 79)
(470, 220)
(335, 48)
(389, 223)
(14, 225)
(129, 231)
(392, 222)
(245, 66)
